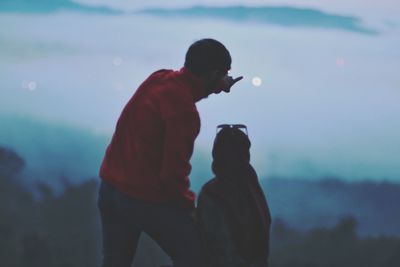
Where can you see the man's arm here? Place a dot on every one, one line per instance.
(181, 131)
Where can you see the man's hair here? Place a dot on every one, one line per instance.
(207, 55)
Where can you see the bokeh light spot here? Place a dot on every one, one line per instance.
(117, 61)
(31, 85)
(256, 81)
(340, 62)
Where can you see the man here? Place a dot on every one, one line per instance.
(145, 184)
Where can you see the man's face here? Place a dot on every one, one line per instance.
(214, 82)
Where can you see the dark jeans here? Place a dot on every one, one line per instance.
(123, 219)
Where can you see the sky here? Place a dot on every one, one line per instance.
(327, 104)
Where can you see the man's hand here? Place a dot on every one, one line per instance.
(227, 82)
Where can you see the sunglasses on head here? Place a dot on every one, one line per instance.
(241, 127)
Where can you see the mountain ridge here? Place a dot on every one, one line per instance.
(277, 15)
(286, 16)
(49, 6)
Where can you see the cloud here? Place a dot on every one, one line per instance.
(48, 6)
(283, 16)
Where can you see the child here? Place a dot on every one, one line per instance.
(232, 213)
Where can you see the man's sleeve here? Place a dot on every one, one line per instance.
(181, 131)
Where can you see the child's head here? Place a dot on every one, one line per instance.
(231, 149)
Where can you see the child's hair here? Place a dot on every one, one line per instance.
(231, 150)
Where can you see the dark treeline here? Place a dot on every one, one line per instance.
(46, 231)
(330, 247)
(62, 230)
(307, 204)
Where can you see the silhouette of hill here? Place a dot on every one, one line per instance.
(283, 16)
(50, 231)
(64, 230)
(275, 15)
(336, 246)
(47, 6)
(10, 162)
(305, 204)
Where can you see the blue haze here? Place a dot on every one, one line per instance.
(60, 155)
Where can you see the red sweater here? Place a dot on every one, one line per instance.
(148, 157)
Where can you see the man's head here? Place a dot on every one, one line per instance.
(207, 55)
(210, 60)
